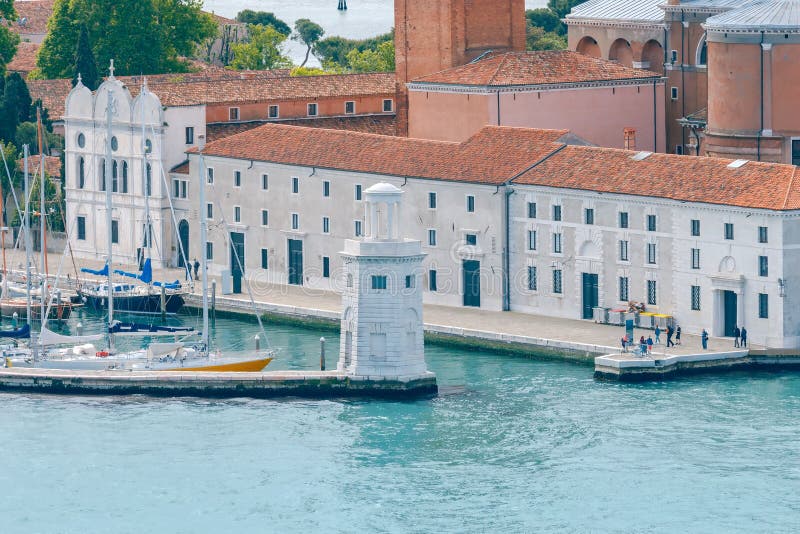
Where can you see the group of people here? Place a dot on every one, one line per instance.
(645, 346)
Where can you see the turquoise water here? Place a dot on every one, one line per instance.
(512, 445)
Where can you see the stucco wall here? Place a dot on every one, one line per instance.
(288, 109)
(446, 116)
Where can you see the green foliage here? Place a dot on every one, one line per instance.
(142, 36)
(380, 59)
(546, 19)
(312, 71)
(309, 33)
(562, 7)
(17, 96)
(538, 39)
(263, 18)
(85, 64)
(262, 51)
(8, 39)
(332, 51)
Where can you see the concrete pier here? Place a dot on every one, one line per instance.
(297, 384)
(626, 367)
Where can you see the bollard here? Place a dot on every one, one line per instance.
(213, 301)
(258, 343)
(163, 303)
(79, 329)
(322, 354)
(14, 320)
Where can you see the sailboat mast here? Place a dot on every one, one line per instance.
(203, 252)
(3, 240)
(42, 221)
(26, 229)
(109, 186)
(147, 230)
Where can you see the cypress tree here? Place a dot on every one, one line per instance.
(85, 65)
(17, 96)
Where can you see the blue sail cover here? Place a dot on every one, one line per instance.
(101, 272)
(145, 276)
(23, 332)
(168, 285)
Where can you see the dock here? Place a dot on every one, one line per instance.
(627, 367)
(289, 384)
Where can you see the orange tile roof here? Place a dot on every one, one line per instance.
(536, 68)
(52, 165)
(771, 186)
(37, 13)
(376, 124)
(492, 156)
(52, 93)
(25, 59)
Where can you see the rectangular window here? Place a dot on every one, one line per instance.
(557, 212)
(115, 232)
(531, 239)
(673, 92)
(326, 267)
(695, 258)
(295, 185)
(432, 238)
(410, 281)
(471, 240)
(82, 228)
(326, 189)
(237, 178)
(274, 112)
(763, 236)
(432, 201)
(652, 256)
(189, 135)
(651, 223)
(237, 214)
(652, 298)
(763, 306)
(696, 298)
(696, 227)
(264, 182)
(264, 258)
(795, 151)
(763, 266)
(184, 189)
(432, 282)
(531, 210)
(624, 289)
(349, 107)
(358, 191)
(532, 281)
(588, 216)
(209, 250)
(623, 219)
(326, 225)
(388, 105)
(209, 211)
(312, 110)
(470, 204)
(379, 281)
(357, 230)
(623, 250)
(233, 114)
(557, 285)
(295, 221)
(557, 243)
(210, 179)
(728, 230)
(264, 217)
(176, 188)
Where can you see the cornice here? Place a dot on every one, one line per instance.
(492, 89)
(627, 24)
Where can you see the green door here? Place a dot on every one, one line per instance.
(237, 260)
(296, 262)
(590, 296)
(730, 301)
(472, 283)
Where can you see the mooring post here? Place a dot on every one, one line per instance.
(213, 301)
(322, 354)
(258, 342)
(59, 306)
(14, 320)
(79, 329)
(163, 303)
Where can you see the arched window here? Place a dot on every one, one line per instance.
(81, 173)
(148, 181)
(124, 176)
(701, 57)
(102, 174)
(114, 177)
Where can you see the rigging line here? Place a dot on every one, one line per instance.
(52, 294)
(11, 187)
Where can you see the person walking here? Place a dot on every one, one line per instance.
(658, 335)
(678, 335)
(642, 346)
(624, 342)
(704, 339)
(670, 331)
(196, 266)
(744, 337)
(649, 344)
(736, 334)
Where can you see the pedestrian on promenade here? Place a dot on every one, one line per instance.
(649, 344)
(658, 335)
(670, 331)
(678, 335)
(736, 334)
(624, 341)
(744, 336)
(642, 346)
(704, 339)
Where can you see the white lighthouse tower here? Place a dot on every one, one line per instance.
(382, 334)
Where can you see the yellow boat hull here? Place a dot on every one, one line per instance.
(249, 366)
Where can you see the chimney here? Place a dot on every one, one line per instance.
(629, 142)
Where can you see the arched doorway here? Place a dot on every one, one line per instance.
(621, 52)
(183, 250)
(653, 54)
(588, 46)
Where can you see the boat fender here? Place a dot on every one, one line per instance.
(101, 354)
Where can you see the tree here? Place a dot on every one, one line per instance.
(263, 50)
(378, 60)
(8, 39)
(332, 51)
(263, 18)
(85, 65)
(308, 33)
(546, 19)
(561, 8)
(184, 25)
(56, 55)
(538, 39)
(17, 96)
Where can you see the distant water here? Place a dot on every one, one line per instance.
(364, 18)
(513, 445)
